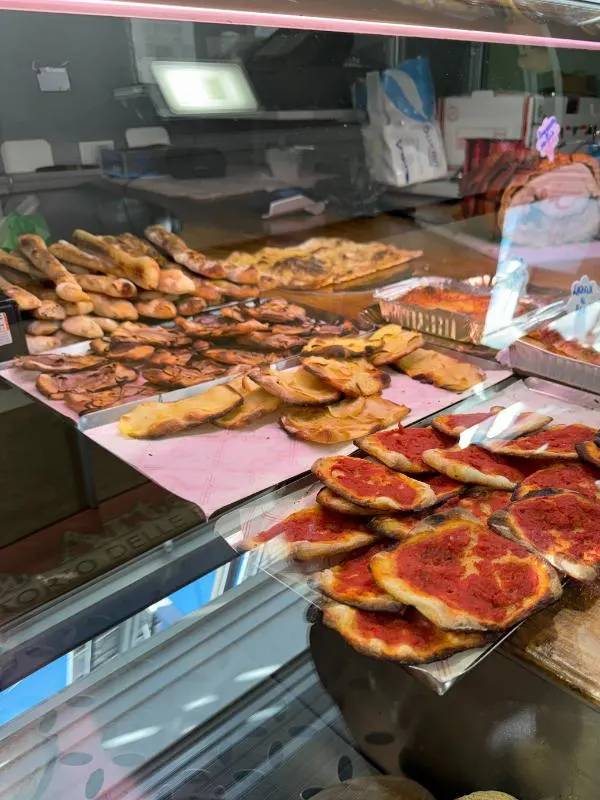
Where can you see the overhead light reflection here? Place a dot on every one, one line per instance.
(134, 736)
(201, 701)
(256, 674)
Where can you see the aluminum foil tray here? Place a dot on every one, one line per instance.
(529, 358)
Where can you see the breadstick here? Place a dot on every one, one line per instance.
(18, 263)
(83, 326)
(68, 253)
(136, 246)
(174, 281)
(106, 284)
(40, 327)
(78, 309)
(24, 299)
(182, 254)
(191, 306)
(156, 309)
(113, 309)
(142, 270)
(67, 288)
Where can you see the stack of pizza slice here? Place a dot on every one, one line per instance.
(445, 536)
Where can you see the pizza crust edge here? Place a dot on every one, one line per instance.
(326, 582)
(464, 472)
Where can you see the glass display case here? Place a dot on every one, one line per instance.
(299, 400)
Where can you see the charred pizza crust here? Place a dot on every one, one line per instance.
(353, 377)
(565, 476)
(455, 424)
(400, 526)
(296, 386)
(343, 421)
(351, 582)
(332, 501)
(558, 442)
(589, 451)
(394, 342)
(481, 502)
(562, 527)
(401, 448)
(313, 533)
(372, 485)
(473, 465)
(407, 638)
(463, 576)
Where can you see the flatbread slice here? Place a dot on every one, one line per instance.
(343, 421)
(589, 451)
(407, 638)
(566, 476)
(152, 420)
(257, 403)
(398, 526)
(340, 347)
(472, 464)
(352, 583)
(296, 386)
(463, 576)
(481, 502)
(560, 526)
(444, 371)
(332, 501)
(554, 443)
(489, 425)
(372, 485)
(314, 533)
(402, 448)
(444, 488)
(353, 377)
(393, 343)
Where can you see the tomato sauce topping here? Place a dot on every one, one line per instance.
(412, 442)
(367, 480)
(482, 460)
(575, 477)
(410, 628)
(567, 524)
(353, 574)
(484, 504)
(469, 568)
(460, 422)
(314, 524)
(442, 485)
(561, 438)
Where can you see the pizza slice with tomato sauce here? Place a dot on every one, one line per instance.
(463, 576)
(444, 488)
(481, 502)
(408, 638)
(488, 424)
(554, 443)
(372, 485)
(401, 448)
(314, 533)
(351, 582)
(473, 465)
(560, 526)
(581, 478)
(589, 451)
(332, 501)
(400, 526)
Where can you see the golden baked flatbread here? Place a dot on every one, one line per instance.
(296, 386)
(353, 377)
(257, 403)
(393, 343)
(444, 371)
(340, 347)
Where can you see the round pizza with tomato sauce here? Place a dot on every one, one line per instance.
(372, 485)
(473, 465)
(351, 582)
(408, 638)
(558, 442)
(463, 576)
(401, 448)
(490, 424)
(563, 527)
(581, 478)
(314, 533)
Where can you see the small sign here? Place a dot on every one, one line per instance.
(547, 137)
(584, 292)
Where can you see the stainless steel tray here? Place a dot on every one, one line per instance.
(450, 324)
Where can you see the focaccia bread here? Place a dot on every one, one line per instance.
(257, 404)
(462, 576)
(444, 371)
(59, 363)
(472, 464)
(560, 526)
(151, 420)
(408, 638)
(353, 377)
(296, 386)
(340, 347)
(558, 442)
(344, 421)
(393, 342)
(313, 533)
(372, 485)
(91, 380)
(351, 582)
(402, 448)
(567, 476)
(491, 424)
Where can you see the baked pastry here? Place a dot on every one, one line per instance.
(353, 377)
(393, 342)
(401, 448)
(257, 404)
(296, 386)
(444, 371)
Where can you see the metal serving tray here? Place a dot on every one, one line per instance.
(450, 324)
(564, 404)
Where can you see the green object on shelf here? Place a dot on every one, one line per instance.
(15, 224)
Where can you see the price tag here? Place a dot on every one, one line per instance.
(547, 137)
(584, 292)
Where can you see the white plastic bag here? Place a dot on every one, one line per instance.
(403, 141)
